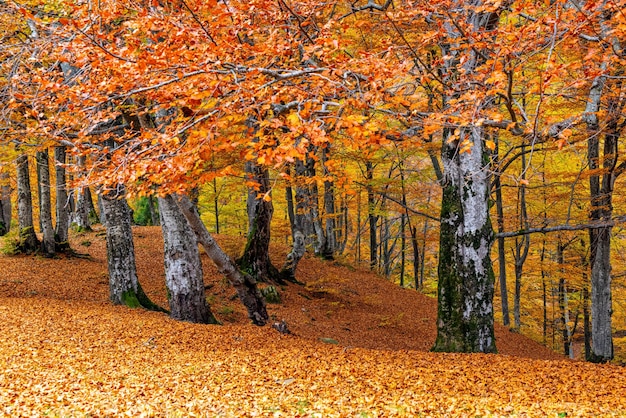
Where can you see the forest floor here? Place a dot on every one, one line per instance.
(66, 351)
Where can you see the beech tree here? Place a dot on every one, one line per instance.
(124, 286)
(28, 241)
(183, 269)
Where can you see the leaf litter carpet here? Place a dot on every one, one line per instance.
(66, 351)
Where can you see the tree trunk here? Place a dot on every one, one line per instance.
(5, 204)
(291, 212)
(288, 272)
(62, 200)
(330, 238)
(601, 194)
(244, 284)
(48, 243)
(402, 248)
(124, 287)
(80, 217)
(154, 213)
(466, 278)
(522, 245)
(28, 241)
(372, 217)
(256, 259)
(183, 269)
(504, 295)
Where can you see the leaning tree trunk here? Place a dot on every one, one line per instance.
(28, 241)
(5, 204)
(124, 287)
(466, 278)
(256, 258)
(48, 243)
(244, 284)
(62, 199)
(183, 269)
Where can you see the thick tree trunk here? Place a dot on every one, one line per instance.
(81, 214)
(244, 284)
(62, 199)
(28, 241)
(601, 298)
(48, 244)
(124, 287)
(256, 259)
(183, 269)
(466, 278)
(5, 204)
(601, 194)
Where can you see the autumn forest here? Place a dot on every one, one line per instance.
(307, 208)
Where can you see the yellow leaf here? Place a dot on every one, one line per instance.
(294, 119)
(490, 145)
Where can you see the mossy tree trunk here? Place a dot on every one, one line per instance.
(28, 241)
(183, 269)
(124, 286)
(244, 284)
(466, 278)
(256, 257)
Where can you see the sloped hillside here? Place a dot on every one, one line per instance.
(67, 352)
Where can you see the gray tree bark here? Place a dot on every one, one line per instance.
(330, 238)
(601, 194)
(62, 199)
(48, 244)
(80, 217)
(183, 269)
(124, 286)
(244, 284)
(256, 257)
(5, 204)
(28, 241)
(466, 278)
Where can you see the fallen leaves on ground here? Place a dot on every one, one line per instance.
(66, 351)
